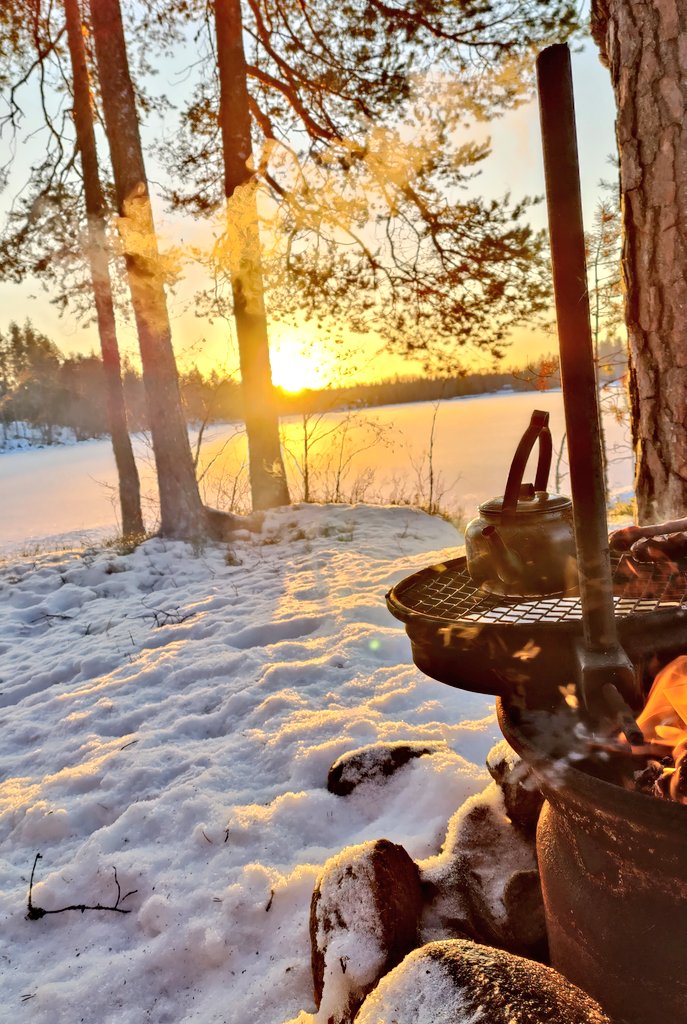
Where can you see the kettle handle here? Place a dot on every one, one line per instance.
(537, 430)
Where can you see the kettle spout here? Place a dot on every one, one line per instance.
(509, 567)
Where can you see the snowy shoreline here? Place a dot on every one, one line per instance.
(26, 437)
(173, 715)
(62, 492)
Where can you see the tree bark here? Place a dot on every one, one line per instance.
(645, 47)
(181, 510)
(129, 485)
(267, 476)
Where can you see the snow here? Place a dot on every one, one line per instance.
(427, 995)
(171, 714)
(68, 492)
(19, 436)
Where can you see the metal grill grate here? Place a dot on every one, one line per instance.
(448, 592)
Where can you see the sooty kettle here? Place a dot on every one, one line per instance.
(523, 543)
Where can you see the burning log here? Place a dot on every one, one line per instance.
(664, 724)
(671, 782)
(663, 548)
(646, 778)
(657, 764)
(678, 781)
(625, 538)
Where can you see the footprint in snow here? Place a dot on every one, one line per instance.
(274, 632)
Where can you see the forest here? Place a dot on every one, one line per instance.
(326, 159)
(320, 153)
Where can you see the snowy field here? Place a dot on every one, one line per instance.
(67, 493)
(172, 715)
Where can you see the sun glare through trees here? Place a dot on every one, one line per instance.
(279, 177)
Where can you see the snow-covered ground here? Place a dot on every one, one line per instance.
(172, 715)
(19, 436)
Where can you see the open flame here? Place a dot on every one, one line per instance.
(664, 724)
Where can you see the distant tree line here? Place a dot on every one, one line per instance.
(398, 390)
(46, 390)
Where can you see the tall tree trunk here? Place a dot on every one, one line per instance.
(129, 486)
(267, 476)
(645, 47)
(181, 510)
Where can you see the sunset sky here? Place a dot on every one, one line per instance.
(299, 359)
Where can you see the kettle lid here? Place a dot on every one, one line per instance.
(529, 501)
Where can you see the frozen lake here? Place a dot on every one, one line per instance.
(375, 455)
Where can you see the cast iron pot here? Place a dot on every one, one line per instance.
(613, 865)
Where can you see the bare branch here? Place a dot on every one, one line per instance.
(35, 913)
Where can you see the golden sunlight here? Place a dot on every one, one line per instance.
(295, 368)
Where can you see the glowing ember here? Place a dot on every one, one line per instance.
(664, 718)
(664, 724)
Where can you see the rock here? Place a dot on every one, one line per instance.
(363, 920)
(224, 526)
(374, 763)
(485, 882)
(522, 898)
(521, 794)
(461, 982)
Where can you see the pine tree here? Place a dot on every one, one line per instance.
(181, 511)
(357, 114)
(299, 95)
(645, 48)
(266, 466)
(98, 258)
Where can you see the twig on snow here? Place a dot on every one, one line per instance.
(36, 913)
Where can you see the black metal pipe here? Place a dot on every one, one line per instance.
(578, 374)
(603, 658)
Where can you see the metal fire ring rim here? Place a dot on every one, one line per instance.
(566, 781)
(554, 611)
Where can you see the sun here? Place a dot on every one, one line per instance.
(295, 368)
(288, 378)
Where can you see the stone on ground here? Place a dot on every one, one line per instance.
(514, 776)
(363, 920)
(375, 762)
(460, 982)
(485, 882)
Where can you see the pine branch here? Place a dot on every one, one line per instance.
(289, 91)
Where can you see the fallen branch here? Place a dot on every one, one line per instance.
(36, 913)
(173, 617)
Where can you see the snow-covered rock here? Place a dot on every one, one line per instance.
(363, 920)
(521, 795)
(374, 763)
(484, 883)
(461, 982)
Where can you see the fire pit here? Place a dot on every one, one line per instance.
(612, 860)
(573, 670)
(477, 641)
(613, 866)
